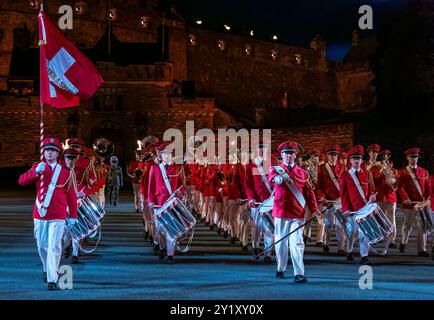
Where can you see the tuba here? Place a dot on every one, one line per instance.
(103, 148)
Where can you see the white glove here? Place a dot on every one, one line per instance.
(278, 180)
(72, 221)
(252, 203)
(40, 168)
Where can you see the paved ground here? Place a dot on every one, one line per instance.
(123, 266)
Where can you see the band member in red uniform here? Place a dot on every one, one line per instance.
(431, 197)
(413, 188)
(384, 176)
(258, 189)
(356, 192)
(328, 193)
(135, 173)
(55, 194)
(84, 169)
(372, 151)
(343, 160)
(292, 192)
(164, 179)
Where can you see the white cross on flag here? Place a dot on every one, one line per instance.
(67, 75)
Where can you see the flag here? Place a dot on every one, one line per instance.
(67, 75)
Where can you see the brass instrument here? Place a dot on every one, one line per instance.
(149, 143)
(103, 148)
(389, 175)
(221, 179)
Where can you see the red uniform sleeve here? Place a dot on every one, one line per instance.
(401, 189)
(431, 192)
(71, 198)
(427, 186)
(248, 183)
(28, 177)
(320, 184)
(152, 183)
(345, 200)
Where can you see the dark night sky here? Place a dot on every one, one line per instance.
(294, 21)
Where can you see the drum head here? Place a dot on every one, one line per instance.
(365, 211)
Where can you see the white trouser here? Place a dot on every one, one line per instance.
(190, 193)
(296, 244)
(48, 235)
(329, 220)
(218, 214)
(353, 232)
(136, 188)
(233, 216)
(308, 227)
(101, 196)
(389, 209)
(410, 221)
(245, 226)
(164, 240)
(225, 222)
(258, 227)
(67, 239)
(210, 211)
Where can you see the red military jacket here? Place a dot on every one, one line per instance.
(406, 188)
(144, 181)
(350, 196)
(157, 190)
(64, 195)
(325, 187)
(132, 171)
(285, 204)
(254, 185)
(235, 177)
(431, 191)
(211, 180)
(386, 192)
(85, 173)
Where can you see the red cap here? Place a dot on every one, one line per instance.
(344, 155)
(384, 154)
(75, 142)
(373, 147)
(51, 143)
(70, 153)
(163, 148)
(288, 146)
(356, 152)
(333, 149)
(412, 152)
(314, 151)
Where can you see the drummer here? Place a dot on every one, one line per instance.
(164, 179)
(355, 193)
(50, 210)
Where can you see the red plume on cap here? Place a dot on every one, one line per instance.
(356, 152)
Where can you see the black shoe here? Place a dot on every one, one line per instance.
(226, 235)
(432, 253)
(280, 275)
(365, 261)
(44, 277)
(319, 244)
(74, 260)
(233, 239)
(211, 227)
(146, 235)
(170, 260)
(163, 254)
(52, 286)
(341, 253)
(137, 210)
(156, 250)
(255, 252)
(151, 239)
(300, 279)
(350, 256)
(423, 254)
(245, 249)
(68, 251)
(326, 249)
(219, 231)
(392, 246)
(401, 247)
(308, 239)
(267, 260)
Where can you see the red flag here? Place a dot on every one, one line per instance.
(67, 75)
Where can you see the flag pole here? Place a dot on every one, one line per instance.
(41, 123)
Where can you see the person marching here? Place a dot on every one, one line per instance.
(356, 191)
(328, 193)
(258, 189)
(135, 173)
(385, 182)
(114, 180)
(292, 192)
(164, 179)
(372, 151)
(413, 188)
(55, 194)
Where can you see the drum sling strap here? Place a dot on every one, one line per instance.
(332, 176)
(291, 185)
(263, 176)
(416, 183)
(357, 183)
(42, 208)
(165, 178)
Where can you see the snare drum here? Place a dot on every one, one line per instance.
(373, 223)
(341, 217)
(424, 218)
(265, 210)
(175, 218)
(88, 219)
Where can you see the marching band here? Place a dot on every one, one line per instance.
(273, 198)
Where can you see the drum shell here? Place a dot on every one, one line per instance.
(424, 217)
